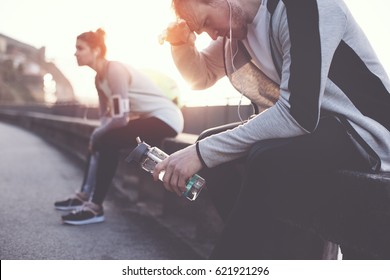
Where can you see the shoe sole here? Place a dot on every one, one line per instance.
(85, 222)
(68, 208)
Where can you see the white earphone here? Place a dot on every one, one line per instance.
(232, 56)
(230, 18)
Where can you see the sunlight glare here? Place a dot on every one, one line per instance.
(49, 88)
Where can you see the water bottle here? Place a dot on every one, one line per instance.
(148, 157)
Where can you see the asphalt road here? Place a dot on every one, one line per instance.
(34, 174)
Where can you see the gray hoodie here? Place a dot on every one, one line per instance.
(323, 64)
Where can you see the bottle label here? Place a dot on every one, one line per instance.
(193, 187)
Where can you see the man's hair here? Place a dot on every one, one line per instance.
(95, 40)
(178, 5)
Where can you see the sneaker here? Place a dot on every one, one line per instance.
(86, 215)
(70, 204)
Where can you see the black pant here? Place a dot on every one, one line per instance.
(277, 168)
(150, 130)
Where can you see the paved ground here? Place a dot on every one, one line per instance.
(33, 174)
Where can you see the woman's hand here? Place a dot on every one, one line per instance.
(178, 167)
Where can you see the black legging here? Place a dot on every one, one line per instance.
(151, 130)
(277, 168)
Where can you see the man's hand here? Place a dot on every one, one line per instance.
(178, 167)
(178, 33)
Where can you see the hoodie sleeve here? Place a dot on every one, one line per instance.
(208, 63)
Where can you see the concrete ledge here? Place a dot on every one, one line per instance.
(171, 145)
(71, 134)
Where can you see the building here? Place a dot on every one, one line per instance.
(26, 76)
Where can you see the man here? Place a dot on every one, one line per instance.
(331, 112)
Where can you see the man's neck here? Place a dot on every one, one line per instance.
(250, 8)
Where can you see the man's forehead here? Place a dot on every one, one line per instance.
(192, 16)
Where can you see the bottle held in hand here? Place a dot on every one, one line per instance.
(148, 157)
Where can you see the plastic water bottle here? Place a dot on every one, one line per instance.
(148, 157)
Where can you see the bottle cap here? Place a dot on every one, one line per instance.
(138, 153)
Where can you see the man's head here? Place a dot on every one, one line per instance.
(219, 18)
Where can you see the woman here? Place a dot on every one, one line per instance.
(130, 106)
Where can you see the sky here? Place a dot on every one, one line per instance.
(132, 28)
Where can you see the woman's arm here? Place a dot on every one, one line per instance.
(117, 103)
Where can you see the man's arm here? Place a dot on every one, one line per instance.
(201, 69)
